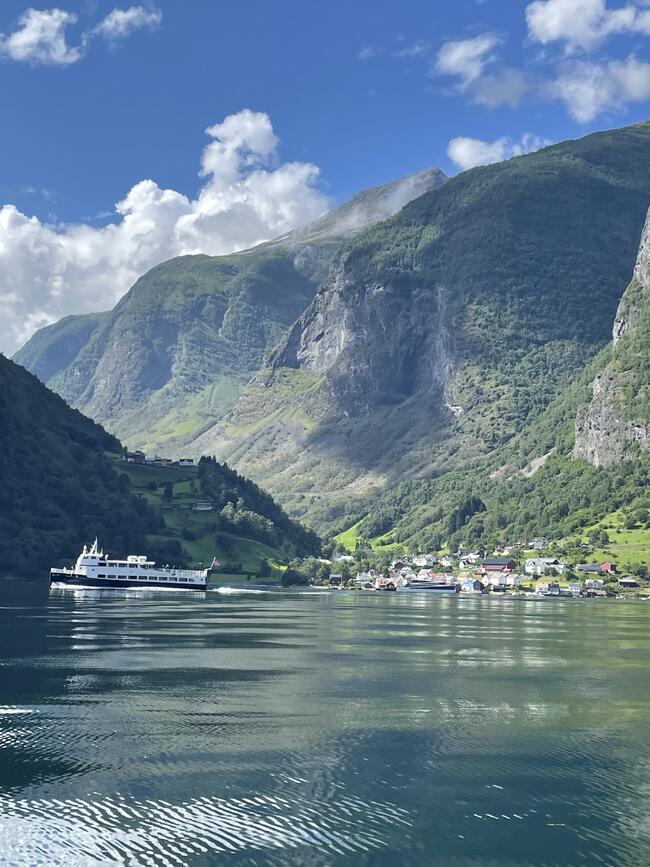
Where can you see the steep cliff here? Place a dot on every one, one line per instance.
(172, 356)
(616, 421)
(441, 333)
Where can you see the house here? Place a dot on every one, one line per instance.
(608, 567)
(469, 560)
(472, 585)
(539, 565)
(343, 558)
(501, 580)
(498, 564)
(426, 561)
(589, 568)
(539, 544)
(398, 565)
(628, 583)
(575, 588)
(446, 562)
(594, 584)
(186, 462)
(135, 457)
(336, 579)
(203, 507)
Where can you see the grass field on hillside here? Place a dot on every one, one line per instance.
(182, 524)
(625, 546)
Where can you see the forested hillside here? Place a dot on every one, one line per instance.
(57, 487)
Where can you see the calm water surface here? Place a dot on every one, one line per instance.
(322, 729)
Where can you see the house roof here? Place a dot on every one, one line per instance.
(588, 567)
(497, 561)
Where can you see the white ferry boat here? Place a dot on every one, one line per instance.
(94, 569)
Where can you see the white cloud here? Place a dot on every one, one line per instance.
(466, 59)
(589, 89)
(366, 52)
(504, 87)
(122, 22)
(470, 152)
(583, 24)
(41, 38)
(48, 271)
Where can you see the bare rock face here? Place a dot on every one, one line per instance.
(606, 427)
(375, 346)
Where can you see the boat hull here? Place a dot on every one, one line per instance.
(77, 580)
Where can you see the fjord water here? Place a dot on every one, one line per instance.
(322, 729)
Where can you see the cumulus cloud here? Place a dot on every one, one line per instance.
(467, 153)
(122, 22)
(583, 24)
(248, 196)
(588, 89)
(40, 37)
(466, 59)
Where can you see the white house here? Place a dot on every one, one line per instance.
(186, 462)
(425, 561)
(472, 585)
(538, 566)
(502, 579)
(203, 507)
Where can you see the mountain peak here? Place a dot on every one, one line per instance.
(363, 210)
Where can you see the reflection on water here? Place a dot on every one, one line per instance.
(322, 729)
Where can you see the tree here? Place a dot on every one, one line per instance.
(168, 493)
(293, 578)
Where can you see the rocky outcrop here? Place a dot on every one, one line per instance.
(375, 344)
(608, 426)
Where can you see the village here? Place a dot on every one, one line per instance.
(476, 573)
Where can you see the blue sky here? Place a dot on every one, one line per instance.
(97, 98)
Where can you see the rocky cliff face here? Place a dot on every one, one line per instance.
(375, 344)
(614, 422)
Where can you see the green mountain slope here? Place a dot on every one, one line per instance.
(57, 488)
(172, 356)
(579, 474)
(444, 332)
(243, 527)
(52, 349)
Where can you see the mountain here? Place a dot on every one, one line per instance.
(446, 331)
(172, 356)
(57, 487)
(580, 472)
(616, 422)
(53, 348)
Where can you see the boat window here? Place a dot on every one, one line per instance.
(142, 578)
(101, 576)
(173, 579)
(122, 577)
(161, 578)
